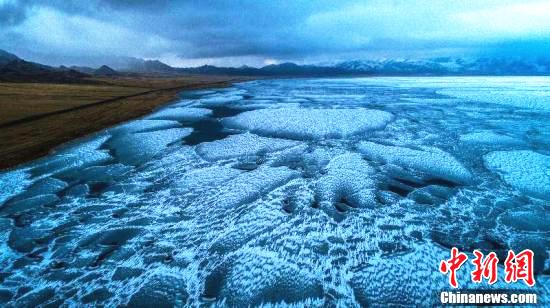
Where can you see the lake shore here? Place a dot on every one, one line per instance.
(37, 117)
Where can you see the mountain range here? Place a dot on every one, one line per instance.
(15, 69)
(444, 66)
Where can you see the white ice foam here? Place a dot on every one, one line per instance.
(527, 171)
(297, 123)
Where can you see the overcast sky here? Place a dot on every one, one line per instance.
(255, 32)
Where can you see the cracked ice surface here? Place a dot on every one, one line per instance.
(321, 192)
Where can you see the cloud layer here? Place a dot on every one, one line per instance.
(256, 32)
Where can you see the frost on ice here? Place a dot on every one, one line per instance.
(489, 138)
(243, 146)
(433, 162)
(297, 123)
(527, 171)
(181, 114)
(317, 192)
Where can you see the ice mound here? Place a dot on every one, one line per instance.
(137, 148)
(29, 204)
(375, 285)
(347, 184)
(256, 276)
(216, 100)
(160, 291)
(195, 180)
(431, 194)
(72, 157)
(315, 161)
(489, 138)
(249, 186)
(98, 173)
(143, 125)
(431, 161)
(13, 183)
(181, 114)
(526, 171)
(526, 219)
(43, 187)
(242, 145)
(297, 123)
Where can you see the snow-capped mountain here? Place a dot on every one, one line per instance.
(450, 66)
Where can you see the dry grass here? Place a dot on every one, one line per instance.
(18, 101)
(48, 115)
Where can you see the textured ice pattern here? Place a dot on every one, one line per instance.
(322, 192)
(526, 171)
(299, 123)
(435, 163)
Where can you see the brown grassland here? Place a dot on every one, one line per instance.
(37, 117)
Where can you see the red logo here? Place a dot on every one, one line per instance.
(519, 267)
(516, 266)
(485, 268)
(452, 265)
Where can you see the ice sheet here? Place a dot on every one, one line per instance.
(318, 192)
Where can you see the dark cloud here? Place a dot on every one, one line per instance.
(293, 30)
(12, 13)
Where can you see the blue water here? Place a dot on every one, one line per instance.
(308, 192)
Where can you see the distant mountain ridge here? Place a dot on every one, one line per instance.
(136, 65)
(406, 67)
(451, 66)
(14, 69)
(104, 70)
(6, 57)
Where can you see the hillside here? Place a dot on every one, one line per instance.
(14, 69)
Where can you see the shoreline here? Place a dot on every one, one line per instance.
(25, 139)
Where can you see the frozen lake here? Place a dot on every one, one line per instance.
(317, 192)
